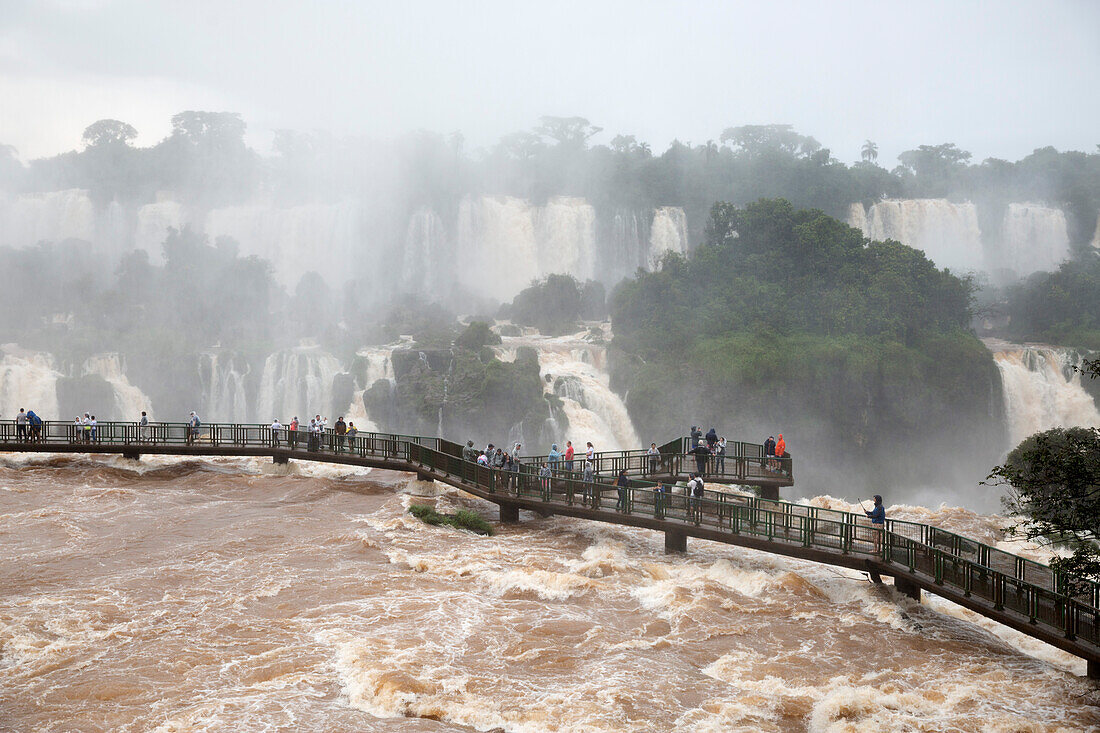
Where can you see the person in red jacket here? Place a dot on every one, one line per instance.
(780, 450)
(568, 457)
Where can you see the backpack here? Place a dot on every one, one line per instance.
(197, 421)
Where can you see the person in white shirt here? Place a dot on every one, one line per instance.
(276, 430)
(143, 427)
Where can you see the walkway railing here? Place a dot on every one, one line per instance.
(1006, 581)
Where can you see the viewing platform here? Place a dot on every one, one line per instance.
(1015, 591)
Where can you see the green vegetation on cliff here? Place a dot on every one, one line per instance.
(788, 321)
(1060, 307)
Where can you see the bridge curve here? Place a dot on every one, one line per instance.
(1020, 593)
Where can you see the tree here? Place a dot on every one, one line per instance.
(1055, 487)
(756, 140)
(869, 152)
(934, 160)
(569, 131)
(108, 132)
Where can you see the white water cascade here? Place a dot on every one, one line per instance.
(578, 375)
(297, 382)
(668, 233)
(53, 216)
(28, 380)
(1035, 238)
(948, 233)
(1041, 391)
(224, 395)
(379, 365)
(129, 399)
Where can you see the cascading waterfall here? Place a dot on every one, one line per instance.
(1041, 391)
(318, 237)
(378, 365)
(578, 375)
(129, 399)
(225, 397)
(425, 245)
(565, 233)
(297, 382)
(1035, 239)
(28, 380)
(53, 216)
(496, 239)
(668, 233)
(948, 233)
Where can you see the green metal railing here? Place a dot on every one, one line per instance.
(1007, 581)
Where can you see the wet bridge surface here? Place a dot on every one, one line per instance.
(1015, 591)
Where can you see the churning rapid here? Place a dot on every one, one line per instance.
(191, 596)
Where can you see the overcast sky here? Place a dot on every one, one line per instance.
(999, 78)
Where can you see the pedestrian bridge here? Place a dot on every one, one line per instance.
(1020, 593)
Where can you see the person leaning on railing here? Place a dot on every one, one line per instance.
(878, 521)
(654, 457)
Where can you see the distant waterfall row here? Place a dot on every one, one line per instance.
(492, 245)
(1032, 237)
(307, 380)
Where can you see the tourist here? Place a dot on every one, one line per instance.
(499, 457)
(568, 455)
(554, 459)
(544, 479)
(590, 453)
(622, 486)
(311, 437)
(588, 476)
(878, 520)
(75, 436)
(193, 428)
(780, 451)
(515, 451)
(720, 456)
(514, 467)
(95, 429)
(697, 492)
(352, 432)
(276, 430)
(86, 427)
(702, 454)
(292, 434)
(712, 439)
(341, 429)
(143, 427)
(35, 423)
(660, 499)
(654, 457)
(21, 426)
(482, 459)
(490, 451)
(696, 436)
(469, 453)
(769, 451)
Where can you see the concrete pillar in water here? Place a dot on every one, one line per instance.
(1093, 670)
(509, 514)
(768, 492)
(675, 541)
(280, 459)
(132, 454)
(908, 587)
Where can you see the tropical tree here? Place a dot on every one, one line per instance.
(869, 152)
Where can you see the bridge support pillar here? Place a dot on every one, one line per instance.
(280, 459)
(675, 541)
(906, 586)
(768, 492)
(133, 455)
(509, 514)
(1093, 670)
(423, 477)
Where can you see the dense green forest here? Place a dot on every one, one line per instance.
(783, 321)
(1061, 307)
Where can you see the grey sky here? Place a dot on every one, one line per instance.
(998, 78)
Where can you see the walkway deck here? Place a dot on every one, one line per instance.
(1012, 590)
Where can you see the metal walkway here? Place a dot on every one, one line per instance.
(1020, 593)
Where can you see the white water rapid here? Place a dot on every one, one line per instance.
(1041, 391)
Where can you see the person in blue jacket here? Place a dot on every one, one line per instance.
(878, 521)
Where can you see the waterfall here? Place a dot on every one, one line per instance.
(425, 250)
(578, 375)
(319, 237)
(497, 254)
(565, 234)
(225, 398)
(857, 218)
(377, 365)
(54, 216)
(1035, 238)
(948, 233)
(28, 380)
(668, 233)
(1041, 391)
(129, 399)
(152, 224)
(297, 382)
